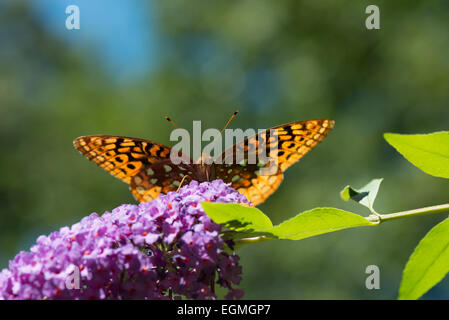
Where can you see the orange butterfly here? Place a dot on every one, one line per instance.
(147, 168)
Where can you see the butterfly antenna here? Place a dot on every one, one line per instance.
(174, 124)
(226, 125)
(170, 120)
(230, 119)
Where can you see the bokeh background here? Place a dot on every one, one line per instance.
(133, 62)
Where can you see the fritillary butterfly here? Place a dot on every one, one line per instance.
(147, 168)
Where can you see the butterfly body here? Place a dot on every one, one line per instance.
(147, 166)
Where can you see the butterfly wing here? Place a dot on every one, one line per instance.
(283, 145)
(135, 161)
(163, 176)
(248, 180)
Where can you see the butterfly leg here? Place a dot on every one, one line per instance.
(182, 181)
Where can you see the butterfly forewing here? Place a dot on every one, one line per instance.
(297, 138)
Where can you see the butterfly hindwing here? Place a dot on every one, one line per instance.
(249, 180)
(162, 176)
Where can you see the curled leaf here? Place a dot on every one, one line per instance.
(365, 195)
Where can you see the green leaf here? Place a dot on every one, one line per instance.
(428, 152)
(248, 221)
(318, 221)
(428, 264)
(365, 195)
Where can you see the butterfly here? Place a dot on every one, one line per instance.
(148, 169)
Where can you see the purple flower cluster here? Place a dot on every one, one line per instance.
(164, 249)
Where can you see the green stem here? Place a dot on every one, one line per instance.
(410, 213)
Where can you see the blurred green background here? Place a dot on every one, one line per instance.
(134, 62)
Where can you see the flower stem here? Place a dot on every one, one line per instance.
(410, 213)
